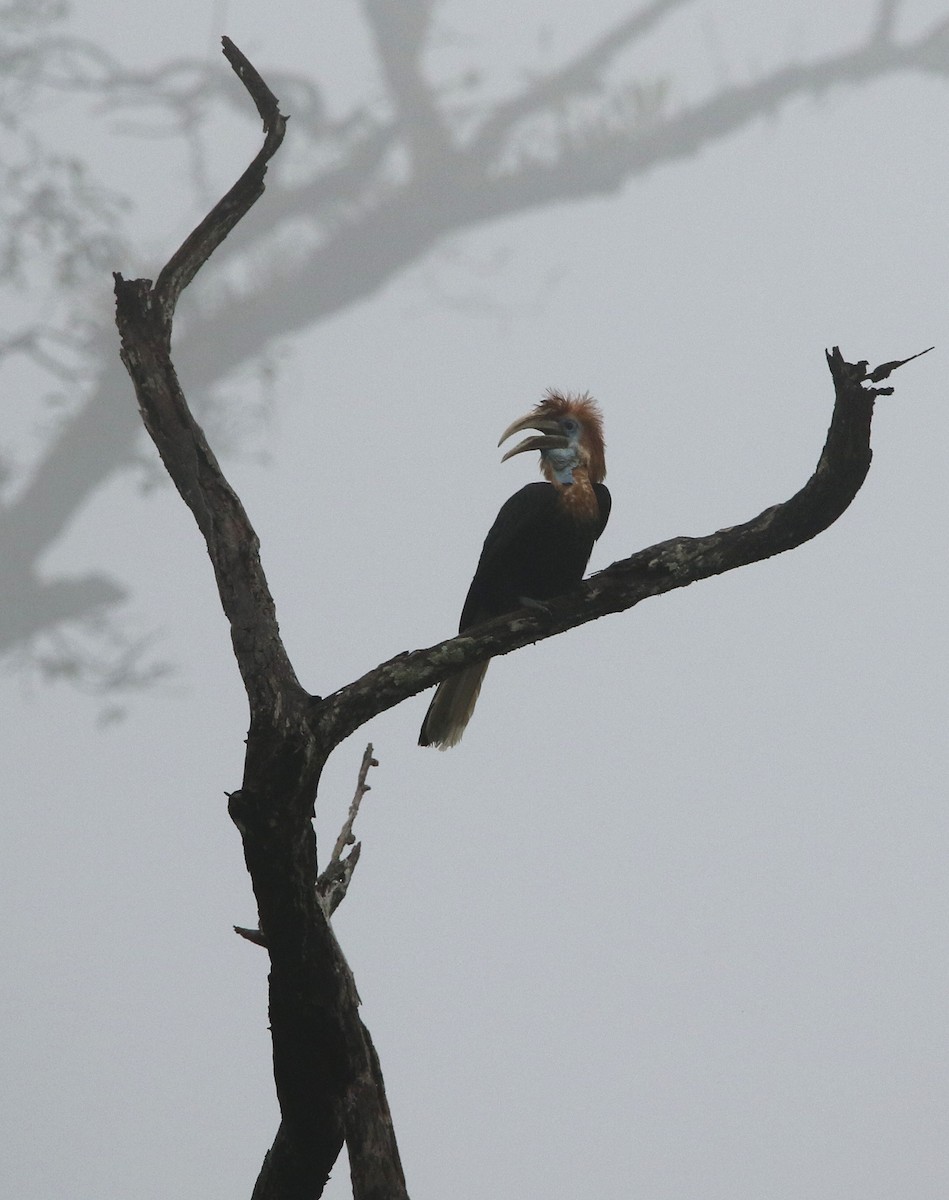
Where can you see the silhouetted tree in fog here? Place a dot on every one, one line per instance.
(368, 194)
(327, 1074)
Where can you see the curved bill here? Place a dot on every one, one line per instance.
(551, 437)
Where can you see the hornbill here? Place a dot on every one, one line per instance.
(539, 545)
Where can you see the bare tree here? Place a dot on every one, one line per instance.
(384, 185)
(328, 1079)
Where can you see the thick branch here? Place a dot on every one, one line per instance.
(580, 75)
(840, 472)
(326, 1072)
(400, 30)
(144, 316)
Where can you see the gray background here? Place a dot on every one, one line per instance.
(672, 920)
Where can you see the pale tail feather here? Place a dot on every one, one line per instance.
(451, 708)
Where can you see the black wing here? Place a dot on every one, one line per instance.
(535, 549)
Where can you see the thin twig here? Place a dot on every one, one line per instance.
(346, 837)
(886, 369)
(333, 883)
(252, 935)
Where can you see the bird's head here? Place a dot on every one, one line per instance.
(570, 437)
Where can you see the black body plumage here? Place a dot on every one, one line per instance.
(535, 550)
(539, 544)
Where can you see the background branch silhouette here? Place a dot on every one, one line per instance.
(685, 873)
(568, 134)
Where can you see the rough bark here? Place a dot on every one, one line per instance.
(325, 1068)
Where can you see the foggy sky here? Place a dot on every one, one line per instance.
(671, 921)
